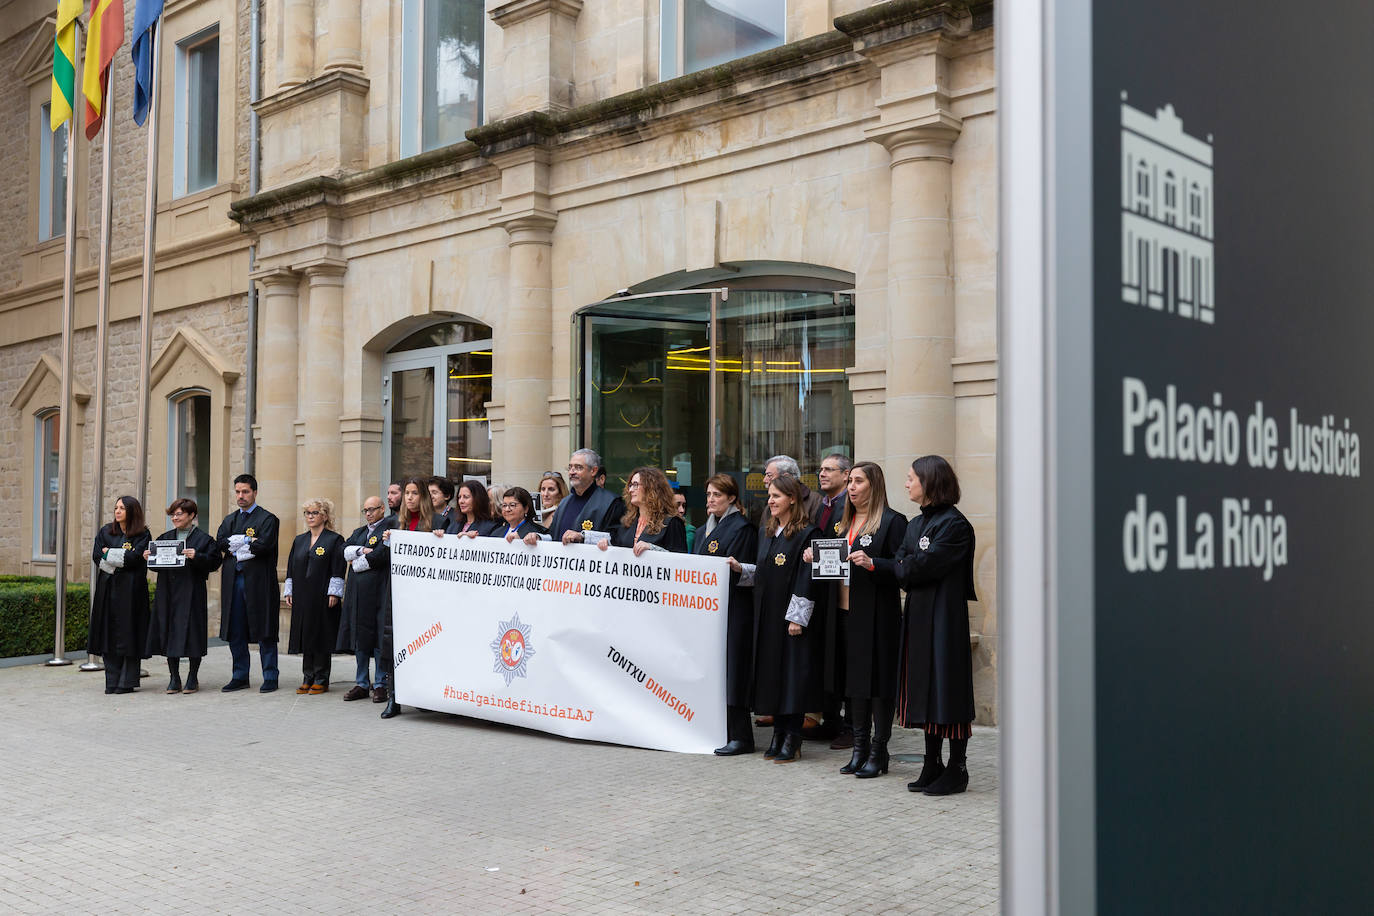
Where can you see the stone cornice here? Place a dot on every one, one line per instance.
(330, 81)
(882, 23)
(508, 14)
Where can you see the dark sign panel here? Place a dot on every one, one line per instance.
(1233, 330)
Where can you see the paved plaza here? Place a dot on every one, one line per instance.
(247, 803)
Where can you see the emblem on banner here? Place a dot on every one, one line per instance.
(587, 525)
(713, 547)
(924, 542)
(251, 533)
(780, 560)
(511, 648)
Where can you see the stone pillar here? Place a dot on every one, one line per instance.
(342, 44)
(920, 295)
(537, 55)
(321, 357)
(297, 42)
(276, 410)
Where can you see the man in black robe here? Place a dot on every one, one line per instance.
(360, 627)
(834, 479)
(587, 507)
(247, 539)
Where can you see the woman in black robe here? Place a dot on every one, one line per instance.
(935, 682)
(472, 516)
(314, 588)
(870, 610)
(180, 607)
(365, 591)
(650, 521)
(730, 535)
(788, 655)
(518, 517)
(119, 602)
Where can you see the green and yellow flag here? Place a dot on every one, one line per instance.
(64, 62)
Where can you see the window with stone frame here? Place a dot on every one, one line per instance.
(196, 125)
(52, 176)
(442, 78)
(47, 443)
(696, 34)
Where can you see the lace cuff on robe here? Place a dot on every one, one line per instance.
(799, 610)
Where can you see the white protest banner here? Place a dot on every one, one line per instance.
(573, 640)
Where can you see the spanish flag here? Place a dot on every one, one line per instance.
(64, 62)
(104, 35)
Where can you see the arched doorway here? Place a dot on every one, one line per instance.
(436, 383)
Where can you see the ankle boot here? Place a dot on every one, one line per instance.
(392, 707)
(877, 760)
(953, 781)
(774, 746)
(174, 668)
(791, 748)
(933, 768)
(193, 678)
(860, 753)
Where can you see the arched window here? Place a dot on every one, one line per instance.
(437, 382)
(1170, 198)
(188, 448)
(47, 440)
(1194, 208)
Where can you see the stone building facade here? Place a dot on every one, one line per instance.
(200, 328)
(690, 233)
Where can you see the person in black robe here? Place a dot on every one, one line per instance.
(935, 680)
(360, 624)
(730, 535)
(518, 516)
(442, 511)
(314, 589)
(788, 657)
(180, 607)
(471, 515)
(868, 611)
(650, 521)
(414, 516)
(119, 602)
(587, 507)
(250, 599)
(827, 512)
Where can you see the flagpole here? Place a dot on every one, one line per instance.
(149, 242)
(102, 313)
(64, 450)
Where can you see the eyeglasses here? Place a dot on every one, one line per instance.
(372, 508)
(507, 506)
(577, 467)
(310, 512)
(552, 475)
(632, 485)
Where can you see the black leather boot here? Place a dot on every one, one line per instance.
(933, 768)
(860, 711)
(791, 748)
(774, 746)
(392, 707)
(876, 763)
(174, 667)
(739, 732)
(860, 753)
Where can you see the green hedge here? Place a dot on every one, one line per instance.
(26, 615)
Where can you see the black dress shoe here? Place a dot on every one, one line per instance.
(267, 687)
(234, 685)
(109, 690)
(790, 750)
(953, 781)
(773, 746)
(124, 690)
(735, 747)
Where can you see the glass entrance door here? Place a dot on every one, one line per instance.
(410, 423)
(646, 390)
(648, 394)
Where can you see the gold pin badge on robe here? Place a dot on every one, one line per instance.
(780, 560)
(587, 525)
(319, 551)
(712, 547)
(372, 540)
(251, 533)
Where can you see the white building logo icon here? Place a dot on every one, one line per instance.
(1166, 215)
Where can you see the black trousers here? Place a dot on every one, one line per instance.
(121, 671)
(315, 667)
